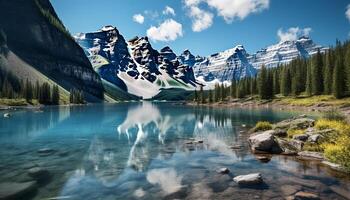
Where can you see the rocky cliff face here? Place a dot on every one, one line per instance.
(225, 66)
(37, 37)
(284, 52)
(134, 66)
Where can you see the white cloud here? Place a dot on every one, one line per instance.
(292, 33)
(230, 10)
(201, 19)
(169, 30)
(347, 13)
(237, 9)
(169, 11)
(138, 18)
(190, 3)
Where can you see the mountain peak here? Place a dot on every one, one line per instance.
(108, 28)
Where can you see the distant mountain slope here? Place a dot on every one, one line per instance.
(225, 66)
(36, 37)
(236, 63)
(284, 52)
(134, 67)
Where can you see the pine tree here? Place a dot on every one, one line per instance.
(347, 65)
(317, 78)
(201, 95)
(262, 83)
(338, 79)
(55, 98)
(195, 96)
(285, 82)
(328, 73)
(233, 89)
(276, 82)
(308, 80)
(210, 98)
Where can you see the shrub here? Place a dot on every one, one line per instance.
(339, 152)
(333, 114)
(262, 126)
(340, 126)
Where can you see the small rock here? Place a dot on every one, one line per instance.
(46, 150)
(189, 142)
(235, 146)
(314, 138)
(39, 174)
(249, 179)
(311, 154)
(223, 170)
(199, 141)
(7, 115)
(12, 190)
(305, 196)
(264, 159)
(288, 190)
(244, 125)
(301, 137)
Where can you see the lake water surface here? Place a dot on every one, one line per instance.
(139, 151)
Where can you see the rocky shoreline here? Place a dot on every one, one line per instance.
(252, 103)
(276, 141)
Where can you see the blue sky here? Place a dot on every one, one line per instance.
(209, 26)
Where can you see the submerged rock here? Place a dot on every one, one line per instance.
(311, 154)
(223, 170)
(39, 174)
(12, 190)
(249, 179)
(263, 159)
(304, 196)
(340, 191)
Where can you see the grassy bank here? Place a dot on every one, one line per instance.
(18, 102)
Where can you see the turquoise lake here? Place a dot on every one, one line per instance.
(139, 151)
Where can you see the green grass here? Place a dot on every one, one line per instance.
(336, 147)
(292, 132)
(17, 102)
(262, 126)
(313, 100)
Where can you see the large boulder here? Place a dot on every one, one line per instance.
(263, 142)
(249, 179)
(12, 190)
(290, 147)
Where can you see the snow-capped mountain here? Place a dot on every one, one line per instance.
(236, 63)
(284, 52)
(134, 66)
(225, 66)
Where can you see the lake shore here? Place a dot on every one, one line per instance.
(282, 104)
